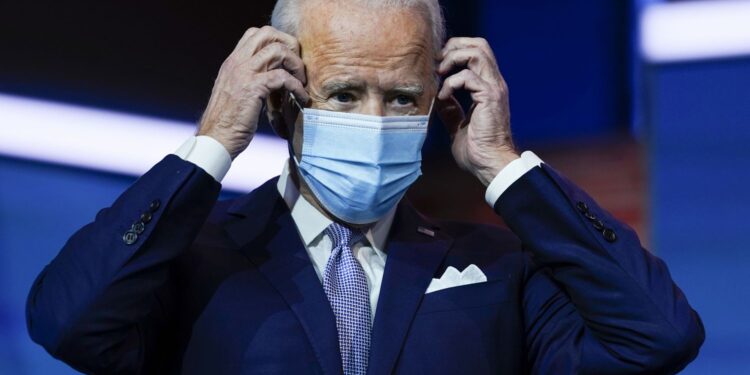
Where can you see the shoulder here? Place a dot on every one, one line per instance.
(241, 215)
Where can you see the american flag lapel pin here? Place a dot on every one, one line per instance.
(426, 231)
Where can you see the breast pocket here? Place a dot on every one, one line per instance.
(465, 297)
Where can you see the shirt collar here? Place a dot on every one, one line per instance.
(311, 222)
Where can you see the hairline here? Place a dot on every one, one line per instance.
(287, 16)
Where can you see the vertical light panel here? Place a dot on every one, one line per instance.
(695, 30)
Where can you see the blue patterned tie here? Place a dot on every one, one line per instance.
(345, 285)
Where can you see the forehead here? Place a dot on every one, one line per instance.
(341, 38)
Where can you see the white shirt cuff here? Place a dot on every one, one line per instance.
(208, 154)
(510, 174)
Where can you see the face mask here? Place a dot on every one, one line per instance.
(360, 166)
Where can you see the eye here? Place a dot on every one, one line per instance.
(404, 100)
(343, 97)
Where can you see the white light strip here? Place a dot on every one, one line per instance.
(117, 142)
(693, 30)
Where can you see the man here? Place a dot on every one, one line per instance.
(326, 269)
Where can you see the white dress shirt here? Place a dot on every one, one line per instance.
(312, 224)
(211, 156)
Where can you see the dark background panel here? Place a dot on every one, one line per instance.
(151, 57)
(566, 61)
(567, 65)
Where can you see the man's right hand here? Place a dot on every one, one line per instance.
(264, 61)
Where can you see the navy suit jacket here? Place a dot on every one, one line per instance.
(227, 287)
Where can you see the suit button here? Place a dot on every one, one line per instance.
(129, 237)
(590, 216)
(609, 235)
(154, 205)
(582, 207)
(598, 225)
(138, 228)
(146, 217)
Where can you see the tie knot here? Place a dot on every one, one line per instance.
(343, 235)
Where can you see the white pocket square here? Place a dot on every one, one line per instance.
(452, 278)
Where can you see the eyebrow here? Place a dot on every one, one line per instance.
(335, 86)
(415, 89)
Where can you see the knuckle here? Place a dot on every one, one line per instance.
(274, 48)
(501, 84)
(271, 75)
(280, 75)
(295, 46)
(476, 51)
(249, 32)
(450, 43)
(259, 53)
(230, 62)
(264, 32)
(504, 90)
(284, 49)
(476, 54)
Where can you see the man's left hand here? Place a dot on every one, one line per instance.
(482, 142)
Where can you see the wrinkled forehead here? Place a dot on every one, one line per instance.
(385, 43)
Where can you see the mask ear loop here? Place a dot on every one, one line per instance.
(294, 100)
(432, 104)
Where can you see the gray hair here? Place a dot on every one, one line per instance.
(287, 15)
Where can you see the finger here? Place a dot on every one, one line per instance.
(463, 42)
(245, 37)
(267, 35)
(451, 114)
(279, 79)
(278, 56)
(465, 79)
(473, 58)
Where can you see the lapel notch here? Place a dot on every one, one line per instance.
(267, 235)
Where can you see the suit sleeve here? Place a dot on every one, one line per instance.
(102, 304)
(595, 301)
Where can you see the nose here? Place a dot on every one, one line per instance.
(373, 106)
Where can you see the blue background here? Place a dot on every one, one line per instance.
(573, 74)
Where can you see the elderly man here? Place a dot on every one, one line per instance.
(326, 269)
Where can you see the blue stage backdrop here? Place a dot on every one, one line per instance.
(569, 67)
(698, 129)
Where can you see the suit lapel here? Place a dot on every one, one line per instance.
(267, 235)
(413, 258)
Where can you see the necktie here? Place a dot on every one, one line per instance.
(345, 285)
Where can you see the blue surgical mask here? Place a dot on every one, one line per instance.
(360, 166)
